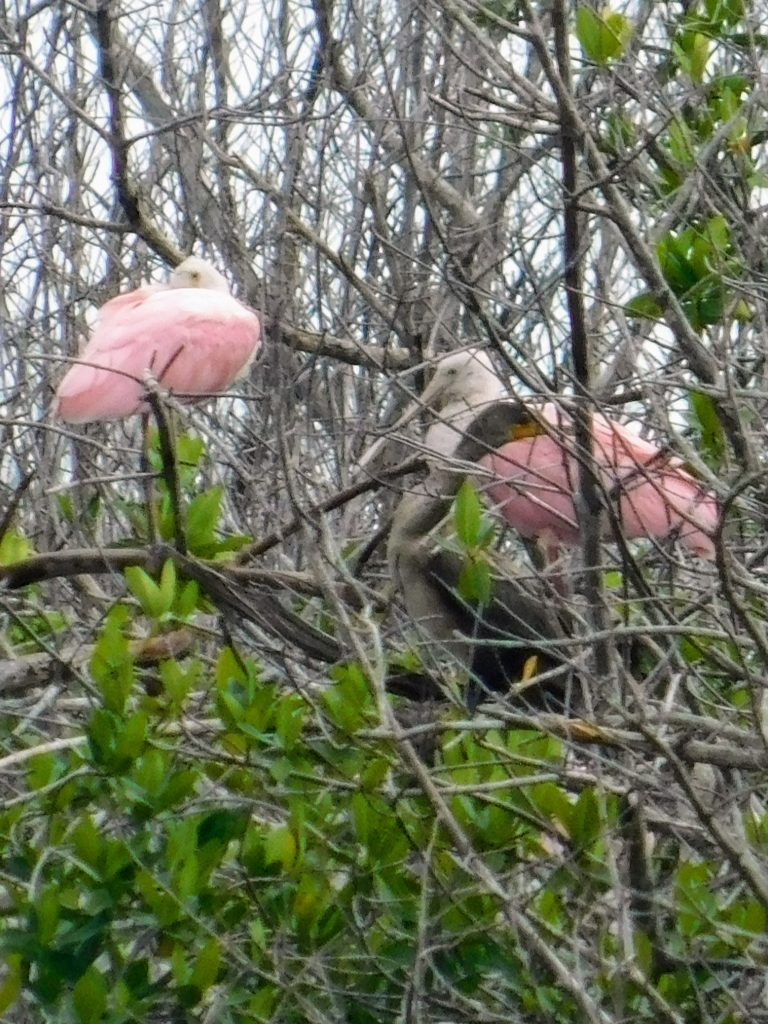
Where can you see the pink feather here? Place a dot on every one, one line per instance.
(649, 491)
(194, 340)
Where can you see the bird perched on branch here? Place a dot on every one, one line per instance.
(534, 469)
(191, 334)
(534, 481)
(512, 638)
(527, 461)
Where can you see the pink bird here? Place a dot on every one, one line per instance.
(536, 476)
(192, 335)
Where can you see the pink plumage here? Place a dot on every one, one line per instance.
(191, 334)
(649, 491)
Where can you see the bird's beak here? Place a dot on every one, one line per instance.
(530, 428)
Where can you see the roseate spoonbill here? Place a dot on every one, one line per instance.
(191, 334)
(512, 639)
(535, 480)
(534, 464)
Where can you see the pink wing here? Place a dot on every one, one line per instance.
(651, 494)
(194, 340)
(123, 306)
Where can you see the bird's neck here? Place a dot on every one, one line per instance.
(423, 509)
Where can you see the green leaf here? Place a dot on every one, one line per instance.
(475, 582)
(644, 305)
(178, 787)
(87, 842)
(10, 982)
(706, 309)
(289, 721)
(41, 770)
(750, 917)
(603, 37)
(708, 419)
(66, 507)
(584, 826)
(207, 964)
(674, 252)
(222, 826)
(468, 515)
(203, 519)
(150, 771)
(743, 312)
(185, 879)
(619, 31)
(178, 682)
(374, 774)
(229, 667)
(588, 30)
(112, 664)
(146, 592)
(133, 736)
(14, 547)
(681, 142)
(189, 453)
(163, 904)
(89, 996)
(620, 134)
(692, 50)
(186, 602)
(47, 911)
(280, 847)
(168, 584)
(718, 233)
(724, 13)
(348, 702)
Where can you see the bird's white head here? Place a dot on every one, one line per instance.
(468, 377)
(197, 273)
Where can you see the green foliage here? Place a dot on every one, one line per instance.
(290, 848)
(349, 701)
(692, 50)
(644, 305)
(190, 452)
(111, 663)
(695, 263)
(620, 134)
(712, 138)
(603, 36)
(32, 627)
(170, 600)
(475, 532)
(698, 264)
(14, 547)
(700, 32)
(709, 425)
(155, 599)
(475, 581)
(202, 518)
(202, 510)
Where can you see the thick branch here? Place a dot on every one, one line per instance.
(589, 488)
